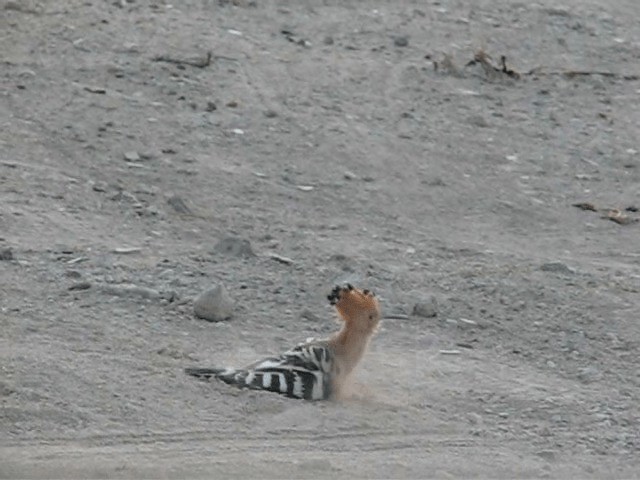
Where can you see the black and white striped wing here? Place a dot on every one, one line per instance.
(302, 372)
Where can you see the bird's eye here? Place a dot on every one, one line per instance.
(371, 316)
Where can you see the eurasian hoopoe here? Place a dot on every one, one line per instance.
(317, 369)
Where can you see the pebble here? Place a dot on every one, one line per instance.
(80, 286)
(214, 304)
(589, 374)
(132, 156)
(126, 250)
(6, 389)
(235, 247)
(474, 418)
(6, 254)
(548, 455)
(179, 205)
(401, 41)
(73, 261)
(427, 308)
(311, 316)
(130, 290)
(478, 121)
(557, 267)
(280, 258)
(100, 187)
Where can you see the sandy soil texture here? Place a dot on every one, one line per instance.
(379, 143)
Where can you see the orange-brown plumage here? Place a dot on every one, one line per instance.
(360, 311)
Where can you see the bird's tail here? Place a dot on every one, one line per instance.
(226, 374)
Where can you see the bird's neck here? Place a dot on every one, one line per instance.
(350, 345)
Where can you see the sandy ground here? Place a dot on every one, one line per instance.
(321, 132)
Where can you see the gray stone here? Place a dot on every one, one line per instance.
(474, 418)
(80, 286)
(235, 247)
(589, 374)
(548, 455)
(128, 290)
(427, 307)
(132, 156)
(557, 267)
(478, 121)
(401, 41)
(214, 304)
(6, 254)
(179, 205)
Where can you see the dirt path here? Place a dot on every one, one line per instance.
(323, 134)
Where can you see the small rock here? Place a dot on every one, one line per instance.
(589, 374)
(620, 218)
(129, 290)
(548, 455)
(170, 296)
(100, 187)
(427, 308)
(211, 107)
(468, 323)
(586, 206)
(214, 304)
(6, 254)
(236, 247)
(328, 40)
(311, 316)
(478, 121)
(349, 175)
(557, 267)
(474, 418)
(232, 104)
(126, 250)
(558, 11)
(401, 41)
(179, 205)
(6, 389)
(80, 286)
(270, 113)
(132, 156)
(174, 352)
(280, 258)
(73, 261)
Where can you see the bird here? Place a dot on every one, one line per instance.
(315, 369)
